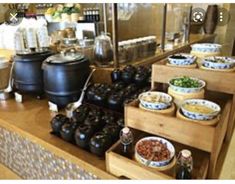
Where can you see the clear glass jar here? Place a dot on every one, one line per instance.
(145, 46)
(140, 48)
(129, 50)
(87, 51)
(135, 49)
(152, 45)
(43, 37)
(86, 47)
(103, 50)
(31, 37)
(122, 52)
(19, 41)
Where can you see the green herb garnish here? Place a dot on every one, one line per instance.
(186, 82)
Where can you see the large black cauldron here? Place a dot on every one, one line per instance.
(27, 72)
(64, 77)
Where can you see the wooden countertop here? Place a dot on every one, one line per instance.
(31, 119)
(6, 53)
(7, 174)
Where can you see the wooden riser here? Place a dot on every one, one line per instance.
(182, 131)
(216, 81)
(122, 166)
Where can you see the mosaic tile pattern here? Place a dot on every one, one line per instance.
(32, 161)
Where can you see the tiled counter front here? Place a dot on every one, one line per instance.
(32, 161)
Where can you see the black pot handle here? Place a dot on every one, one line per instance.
(68, 51)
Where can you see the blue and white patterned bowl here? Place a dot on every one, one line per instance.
(155, 164)
(186, 59)
(206, 47)
(200, 116)
(164, 102)
(187, 90)
(228, 64)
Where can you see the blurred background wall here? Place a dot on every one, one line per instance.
(146, 19)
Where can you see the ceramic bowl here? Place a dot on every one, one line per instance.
(181, 59)
(155, 164)
(206, 47)
(200, 116)
(187, 90)
(164, 101)
(228, 64)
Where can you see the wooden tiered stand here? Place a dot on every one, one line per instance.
(199, 138)
(207, 138)
(120, 166)
(215, 81)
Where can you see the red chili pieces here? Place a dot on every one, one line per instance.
(153, 150)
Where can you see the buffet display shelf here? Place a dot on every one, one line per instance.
(25, 138)
(211, 137)
(215, 81)
(25, 135)
(222, 85)
(122, 166)
(101, 73)
(181, 47)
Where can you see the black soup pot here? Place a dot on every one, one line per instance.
(64, 77)
(27, 72)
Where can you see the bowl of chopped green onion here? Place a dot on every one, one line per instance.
(186, 84)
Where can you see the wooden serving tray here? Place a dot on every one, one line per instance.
(218, 70)
(211, 122)
(119, 165)
(167, 112)
(215, 81)
(206, 138)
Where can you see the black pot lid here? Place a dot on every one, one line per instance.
(64, 58)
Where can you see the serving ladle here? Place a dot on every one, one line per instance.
(156, 149)
(74, 105)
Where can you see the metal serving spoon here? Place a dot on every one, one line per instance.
(156, 149)
(74, 105)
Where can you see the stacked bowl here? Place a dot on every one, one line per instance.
(182, 88)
